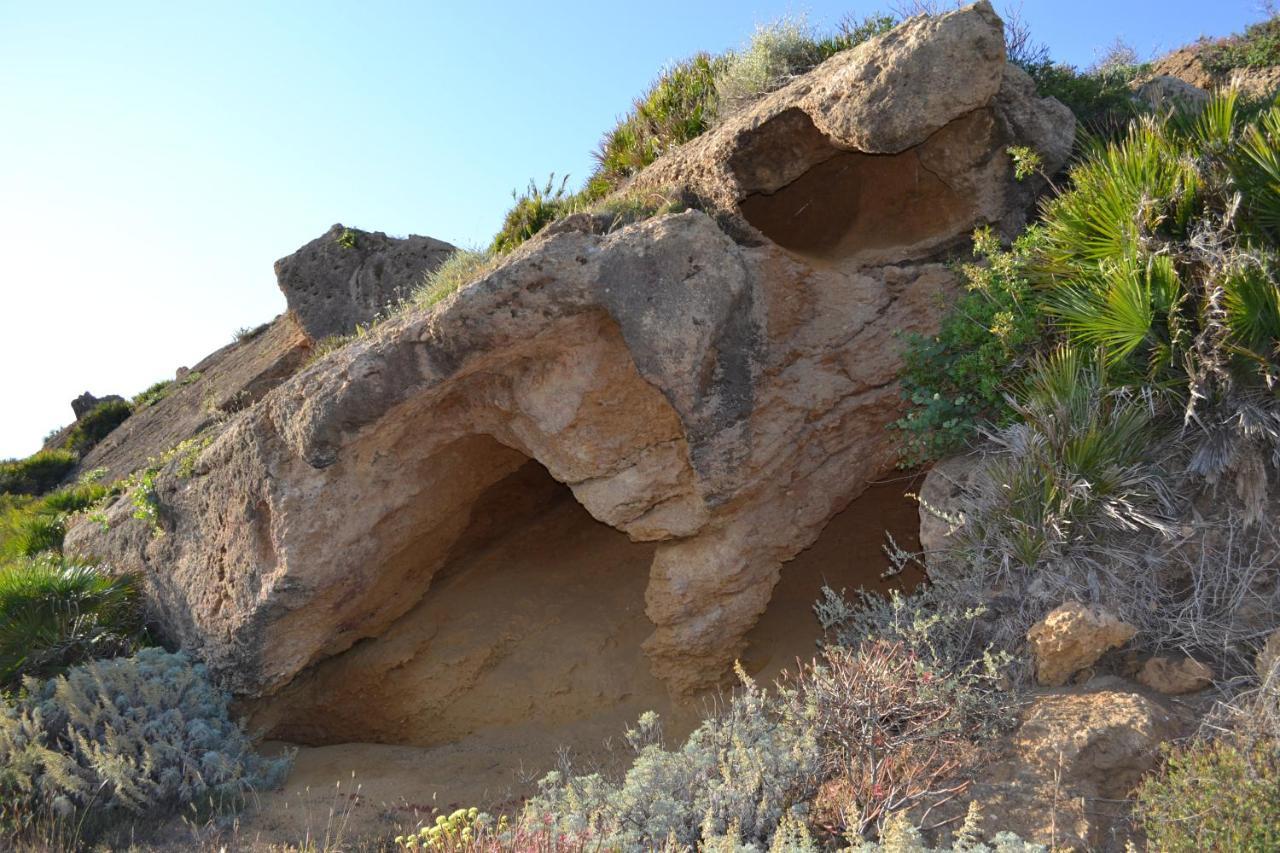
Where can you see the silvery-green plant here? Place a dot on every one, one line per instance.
(147, 734)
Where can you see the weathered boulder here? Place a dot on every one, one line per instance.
(942, 498)
(887, 152)
(1064, 777)
(719, 398)
(1175, 676)
(1167, 92)
(347, 277)
(1073, 637)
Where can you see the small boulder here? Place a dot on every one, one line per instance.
(1166, 91)
(942, 499)
(1175, 676)
(1073, 637)
(346, 277)
(1063, 777)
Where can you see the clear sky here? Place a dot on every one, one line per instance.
(157, 157)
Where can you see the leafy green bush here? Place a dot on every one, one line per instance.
(1215, 795)
(54, 615)
(534, 210)
(957, 380)
(1257, 47)
(1163, 256)
(140, 736)
(97, 424)
(1102, 99)
(36, 474)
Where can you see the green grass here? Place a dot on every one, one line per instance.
(37, 473)
(30, 526)
(54, 615)
(153, 394)
(679, 106)
(458, 270)
(534, 210)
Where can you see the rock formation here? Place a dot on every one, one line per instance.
(347, 277)
(1064, 776)
(716, 387)
(204, 397)
(1175, 676)
(86, 403)
(1073, 637)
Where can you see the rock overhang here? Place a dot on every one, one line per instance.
(719, 398)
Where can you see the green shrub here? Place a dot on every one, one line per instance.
(153, 394)
(747, 766)
(534, 210)
(97, 424)
(842, 741)
(958, 379)
(36, 474)
(1101, 99)
(1257, 47)
(1163, 257)
(29, 527)
(143, 736)
(458, 270)
(54, 615)
(1215, 795)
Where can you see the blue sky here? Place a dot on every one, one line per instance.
(156, 158)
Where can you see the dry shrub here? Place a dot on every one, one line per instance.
(893, 731)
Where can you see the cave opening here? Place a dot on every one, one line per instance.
(845, 203)
(534, 618)
(847, 556)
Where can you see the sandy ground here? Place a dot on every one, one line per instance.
(577, 625)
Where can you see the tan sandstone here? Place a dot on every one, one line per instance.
(1064, 776)
(1073, 637)
(713, 387)
(1175, 676)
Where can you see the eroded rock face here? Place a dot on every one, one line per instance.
(346, 277)
(1071, 638)
(1185, 65)
(716, 399)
